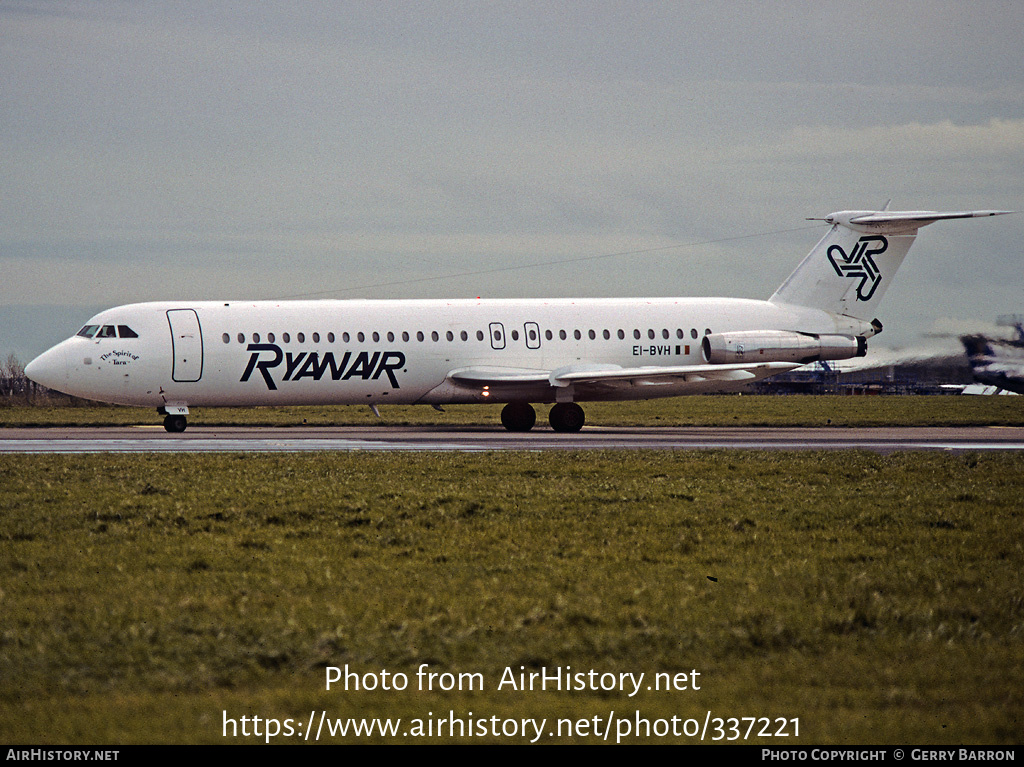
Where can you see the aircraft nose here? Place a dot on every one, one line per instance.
(50, 369)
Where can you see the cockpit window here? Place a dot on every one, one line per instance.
(107, 331)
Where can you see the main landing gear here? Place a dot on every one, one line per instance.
(518, 416)
(565, 417)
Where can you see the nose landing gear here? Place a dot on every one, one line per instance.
(175, 419)
(175, 424)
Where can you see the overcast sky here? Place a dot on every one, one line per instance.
(179, 150)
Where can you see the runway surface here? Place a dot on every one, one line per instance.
(199, 439)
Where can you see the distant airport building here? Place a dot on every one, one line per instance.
(938, 376)
(989, 361)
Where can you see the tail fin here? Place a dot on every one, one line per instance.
(849, 270)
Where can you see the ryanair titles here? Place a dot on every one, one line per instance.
(295, 366)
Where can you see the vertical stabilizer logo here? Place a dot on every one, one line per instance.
(860, 263)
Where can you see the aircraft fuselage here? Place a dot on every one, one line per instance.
(399, 352)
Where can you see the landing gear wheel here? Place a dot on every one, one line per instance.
(175, 423)
(518, 416)
(566, 417)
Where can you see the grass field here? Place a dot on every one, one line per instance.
(723, 410)
(875, 599)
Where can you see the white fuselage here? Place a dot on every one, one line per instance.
(402, 352)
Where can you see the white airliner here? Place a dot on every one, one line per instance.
(182, 354)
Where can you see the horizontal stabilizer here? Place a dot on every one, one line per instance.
(923, 217)
(899, 222)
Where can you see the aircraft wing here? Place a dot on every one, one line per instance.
(498, 376)
(656, 374)
(639, 376)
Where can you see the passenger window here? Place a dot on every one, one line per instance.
(636, 334)
(330, 338)
(227, 338)
(621, 334)
(126, 332)
(479, 335)
(464, 335)
(449, 335)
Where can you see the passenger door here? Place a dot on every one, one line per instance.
(187, 345)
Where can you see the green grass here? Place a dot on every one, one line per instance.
(724, 410)
(876, 598)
